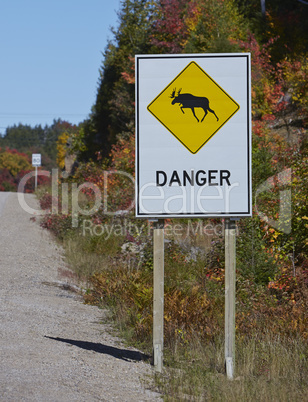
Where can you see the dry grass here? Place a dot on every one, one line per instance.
(89, 255)
(267, 369)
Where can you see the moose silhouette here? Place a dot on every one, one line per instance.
(189, 101)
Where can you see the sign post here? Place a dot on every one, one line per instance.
(36, 161)
(158, 290)
(193, 110)
(230, 265)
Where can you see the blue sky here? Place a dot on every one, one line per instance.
(50, 55)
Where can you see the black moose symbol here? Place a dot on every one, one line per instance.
(189, 101)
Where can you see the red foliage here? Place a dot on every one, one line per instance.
(267, 90)
(57, 224)
(129, 76)
(47, 200)
(30, 184)
(6, 181)
(170, 29)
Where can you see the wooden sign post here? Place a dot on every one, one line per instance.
(230, 264)
(158, 299)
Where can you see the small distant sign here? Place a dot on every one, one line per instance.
(36, 160)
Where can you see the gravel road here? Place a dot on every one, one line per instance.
(52, 346)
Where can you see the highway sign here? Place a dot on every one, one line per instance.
(36, 159)
(193, 135)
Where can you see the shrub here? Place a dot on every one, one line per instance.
(6, 181)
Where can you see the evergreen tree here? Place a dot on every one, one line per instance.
(22, 137)
(113, 112)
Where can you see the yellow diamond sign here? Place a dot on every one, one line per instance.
(193, 107)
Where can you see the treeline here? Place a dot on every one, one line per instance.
(197, 26)
(38, 139)
(20, 142)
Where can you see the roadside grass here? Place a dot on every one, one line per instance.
(267, 369)
(271, 345)
(90, 254)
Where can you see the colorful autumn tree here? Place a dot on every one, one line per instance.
(62, 149)
(173, 22)
(219, 27)
(14, 161)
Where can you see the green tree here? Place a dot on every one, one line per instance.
(113, 111)
(220, 26)
(22, 137)
(52, 134)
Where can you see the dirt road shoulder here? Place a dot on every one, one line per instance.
(52, 346)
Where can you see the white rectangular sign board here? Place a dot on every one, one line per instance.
(193, 135)
(36, 159)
